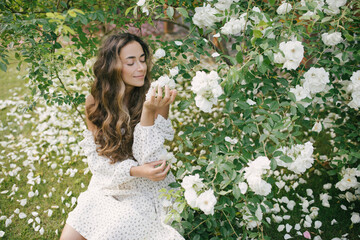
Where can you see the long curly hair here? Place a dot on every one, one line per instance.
(115, 122)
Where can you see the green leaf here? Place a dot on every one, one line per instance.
(170, 12)
(183, 105)
(273, 164)
(292, 96)
(183, 12)
(239, 57)
(62, 3)
(257, 33)
(128, 10)
(174, 185)
(286, 159)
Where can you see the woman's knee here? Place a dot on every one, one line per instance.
(69, 233)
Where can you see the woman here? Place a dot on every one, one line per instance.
(123, 144)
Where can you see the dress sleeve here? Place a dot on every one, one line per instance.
(149, 141)
(110, 175)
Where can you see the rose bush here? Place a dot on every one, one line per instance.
(246, 121)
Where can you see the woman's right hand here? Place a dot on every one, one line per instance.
(157, 100)
(155, 171)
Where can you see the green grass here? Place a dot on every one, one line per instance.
(20, 128)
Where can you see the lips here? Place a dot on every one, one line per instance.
(141, 76)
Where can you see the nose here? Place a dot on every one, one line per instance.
(141, 66)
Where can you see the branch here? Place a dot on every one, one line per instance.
(68, 93)
(173, 22)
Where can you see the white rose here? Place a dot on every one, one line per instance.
(204, 104)
(279, 58)
(191, 197)
(284, 8)
(355, 217)
(192, 182)
(293, 50)
(336, 3)
(316, 80)
(205, 16)
(174, 71)
(300, 92)
(355, 99)
(215, 54)
(250, 102)
(231, 140)
(317, 127)
(223, 5)
(332, 39)
(178, 43)
(140, 2)
(355, 80)
(234, 26)
(294, 53)
(145, 10)
(206, 202)
(243, 187)
(159, 53)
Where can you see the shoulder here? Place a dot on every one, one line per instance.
(89, 100)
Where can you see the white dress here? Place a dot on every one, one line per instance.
(117, 206)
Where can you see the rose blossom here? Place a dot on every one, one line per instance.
(284, 8)
(332, 39)
(316, 80)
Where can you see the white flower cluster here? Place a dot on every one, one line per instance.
(234, 26)
(284, 8)
(205, 201)
(301, 156)
(315, 80)
(248, 218)
(354, 88)
(349, 179)
(319, 7)
(334, 6)
(332, 39)
(159, 53)
(144, 9)
(253, 174)
(205, 16)
(162, 81)
(207, 89)
(293, 54)
(223, 5)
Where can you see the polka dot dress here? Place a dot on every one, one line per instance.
(118, 206)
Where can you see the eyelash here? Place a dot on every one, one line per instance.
(133, 64)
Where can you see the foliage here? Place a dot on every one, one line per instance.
(258, 108)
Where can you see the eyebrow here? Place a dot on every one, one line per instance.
(131, 57)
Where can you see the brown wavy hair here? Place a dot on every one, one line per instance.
(108, 113)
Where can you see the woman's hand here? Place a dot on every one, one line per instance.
(155, 171)
(158, 101)
(157, 104)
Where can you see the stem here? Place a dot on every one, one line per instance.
(230, 223)
(263, 143)
(196, 227)
(173, 22)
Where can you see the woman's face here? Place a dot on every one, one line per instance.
(134, 66)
